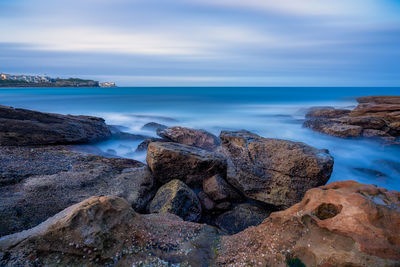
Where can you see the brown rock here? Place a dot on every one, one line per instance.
(26, 127)
(274, 171)
(191, 137)
(241, 217)
(44, 181)
(333, 128)
(105, 231)
(177, 198)
(205, 201)
(219, 190)
(223, 206)
(341, 224)
(192, 165)
(326, 112)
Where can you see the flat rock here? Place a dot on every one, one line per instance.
(241, 217)
(177, 198)
(106, 231)
(341, 224)
(154, 126)
(19, 127)
(44, 181)
(274, 171)
(191, 137)
(192, 165)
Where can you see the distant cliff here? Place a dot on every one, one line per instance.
(7, 80)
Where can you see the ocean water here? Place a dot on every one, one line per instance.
(269, 112)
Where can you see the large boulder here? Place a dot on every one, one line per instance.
(375, 117)
(192, 165)
(177, 198)
(25, 127)
(191, 137)
(219, 190)
(105, 231)
(274, 171)
(341, 224)
(39, 182)
(241, 217)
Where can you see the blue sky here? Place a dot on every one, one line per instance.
(205, 42)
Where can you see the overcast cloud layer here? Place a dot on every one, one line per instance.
(205, 42)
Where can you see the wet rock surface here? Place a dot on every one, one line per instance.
(273, 171)
(341, 224)
(43, 181)
(219, 190)
(192, 165)
(177, 198)
(20, 127)
(154, 126)
(191, 137)
(375, 117)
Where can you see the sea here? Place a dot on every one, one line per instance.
(276, 112)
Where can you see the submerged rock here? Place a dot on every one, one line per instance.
(241, 217)
(177, 198)
(154, 126)
(105, 231)
(43, 181)
(274, 171)
(192, 165)
(341, 224)
(191, 137)
(20, 127)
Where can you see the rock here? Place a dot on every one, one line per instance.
(39, 182)
(206, 202)
(341, 224)
(375, 117)
(334, 129)
(326, 112)
(143, 145)
(371, 172)
(105, 231)
(25, 127)
(154, 126)
(177, 198)
(219, 190)
(274, 171)
(241, 217)
(223, 206)
(192, 165)
(191, 137)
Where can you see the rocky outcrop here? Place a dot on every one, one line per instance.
(25, 127)
(154, 126)
(192, 165)
(341, 224)
(105, 231)
(143, 145)
(374, 117)
(241, 217)
(219, 190)
(177, 198)
(191, 137)
(274, 171)
(39, 182)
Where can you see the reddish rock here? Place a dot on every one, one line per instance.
(326, 112)
(341, 224)
(205, 201)
(191, 137)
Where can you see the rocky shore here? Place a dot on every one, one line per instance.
(201, 200)
(375, 117)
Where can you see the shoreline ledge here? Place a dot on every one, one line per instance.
(237, 199)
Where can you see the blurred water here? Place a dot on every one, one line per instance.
(269, 112)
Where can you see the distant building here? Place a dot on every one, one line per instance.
(107, 84)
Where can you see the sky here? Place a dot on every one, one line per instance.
(205, 42)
